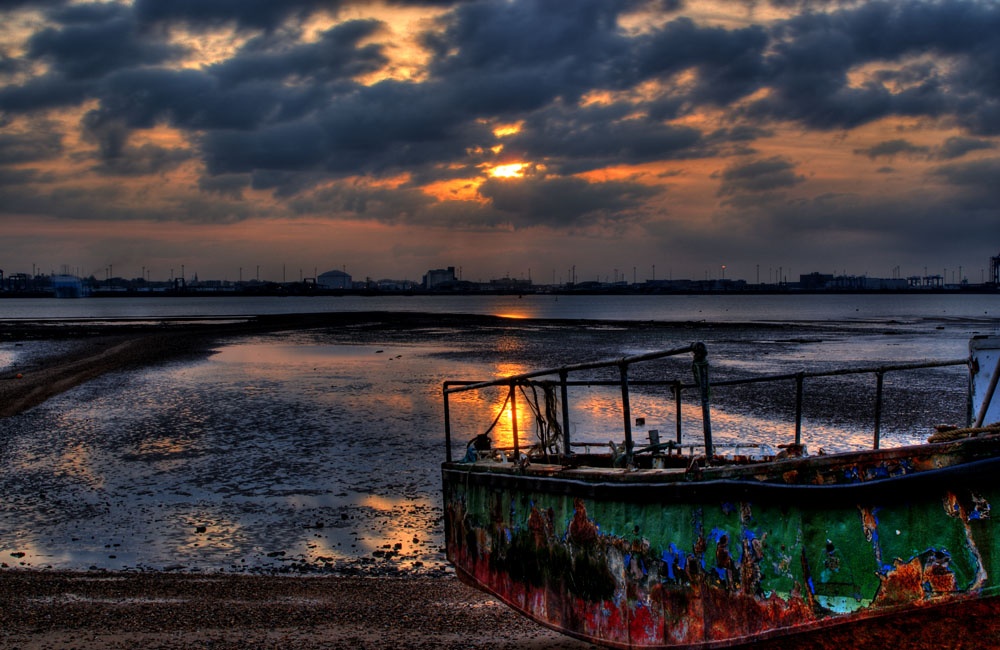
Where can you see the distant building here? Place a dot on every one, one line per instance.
(334, 280)
(68, 286)
(865, 283)
(387, 284)
(814, 281)
(437, 277)
(510, 284)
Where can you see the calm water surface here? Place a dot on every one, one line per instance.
(319, 451)
(712, 308)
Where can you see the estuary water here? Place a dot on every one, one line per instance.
(908, 307)
(318, 451)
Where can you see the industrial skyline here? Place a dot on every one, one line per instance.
(454, 277)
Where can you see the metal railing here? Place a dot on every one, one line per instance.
(701, 384)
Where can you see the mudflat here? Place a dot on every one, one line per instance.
(98, 609)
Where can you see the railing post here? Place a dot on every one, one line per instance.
(447, 423)
(564, 391)
(987, 396)
(878, 407)
(700, 368)
(513, 420)
(677, 406)
(626, 411)
(798, 408)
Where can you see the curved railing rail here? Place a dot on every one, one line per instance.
(701, 384)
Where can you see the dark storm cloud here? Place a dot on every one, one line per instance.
(18, 178)
(813, 53)
(295, 146)
(16, 148)
(228, 185)
(114, 203)
(519, 56)
(885, 229)
(565, 202)
(893, 148)
(980, 173)
(730, 63)
(41, 93)
(338, 54)
(248, 14)
(285, 184)
(956, 147)
(378, 129)
(192, 99)
(7, 5)
(93, 40)
(740, 133)
(142, 161)
(406, 205)
(758, 176)
(589, 138)
(978, 184)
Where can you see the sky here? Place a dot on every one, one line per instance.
(542, 139)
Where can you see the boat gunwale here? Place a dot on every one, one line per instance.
(977, 458)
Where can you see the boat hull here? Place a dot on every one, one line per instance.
(837, 548)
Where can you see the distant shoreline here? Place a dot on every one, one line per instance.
(299, 290)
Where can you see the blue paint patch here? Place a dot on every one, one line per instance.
(877, 472)
(672, 557)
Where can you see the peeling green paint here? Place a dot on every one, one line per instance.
(682, 570)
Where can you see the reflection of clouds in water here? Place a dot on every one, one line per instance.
(7, 357)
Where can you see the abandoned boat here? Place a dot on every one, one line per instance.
(680, 544)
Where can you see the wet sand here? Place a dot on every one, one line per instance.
(50, 610)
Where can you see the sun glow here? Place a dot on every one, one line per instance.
(511, 170)
(505, 130)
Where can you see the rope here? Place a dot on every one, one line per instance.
(547, 428)
(948, 435)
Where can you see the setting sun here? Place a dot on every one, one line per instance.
(512, 170)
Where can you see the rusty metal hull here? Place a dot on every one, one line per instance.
(735, 555)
